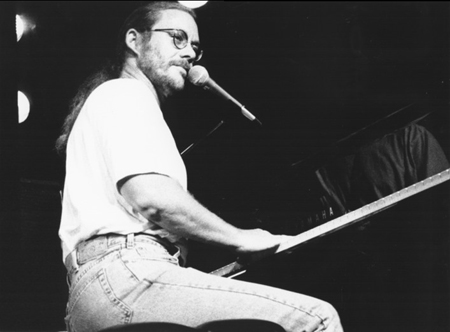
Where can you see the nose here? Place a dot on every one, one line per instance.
(188, 52)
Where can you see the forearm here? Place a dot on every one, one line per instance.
(162, 201)
(184, 216)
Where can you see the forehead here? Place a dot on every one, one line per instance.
(177, 19)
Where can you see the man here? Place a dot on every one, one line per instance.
(126, 211)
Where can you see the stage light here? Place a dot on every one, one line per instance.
(193, 4)
(23, 105)
(24, 25)
(20, 27)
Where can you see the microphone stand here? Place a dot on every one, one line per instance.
(193, 145)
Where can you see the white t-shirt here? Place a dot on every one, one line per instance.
(119, 132)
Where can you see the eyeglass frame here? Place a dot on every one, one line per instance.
(195, 46)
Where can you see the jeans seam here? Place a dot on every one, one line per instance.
(127, 311)
(107, 289)
(85, 268)
(125, 265)
(73, 298)
(243, 293)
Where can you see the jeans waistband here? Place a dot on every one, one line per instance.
(98, 246)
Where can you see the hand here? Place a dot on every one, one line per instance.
(258, 243)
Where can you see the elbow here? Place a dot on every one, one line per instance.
(154, 215)
(147, 209)
(150, 195)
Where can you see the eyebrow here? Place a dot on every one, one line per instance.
(194, 42)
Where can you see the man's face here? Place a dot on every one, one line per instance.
(160, 60)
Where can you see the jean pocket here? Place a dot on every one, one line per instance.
(150, 251)
(93, 305)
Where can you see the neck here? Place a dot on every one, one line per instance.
(131, 71)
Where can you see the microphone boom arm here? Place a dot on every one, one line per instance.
(214, 87)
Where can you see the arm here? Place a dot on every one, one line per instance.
(161, 199)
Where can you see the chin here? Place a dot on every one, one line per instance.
(172, 89)
(177, 85)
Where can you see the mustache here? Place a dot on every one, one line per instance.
(181, 63)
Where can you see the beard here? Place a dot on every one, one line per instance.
(166, 76)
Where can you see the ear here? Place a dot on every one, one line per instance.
(132, 39)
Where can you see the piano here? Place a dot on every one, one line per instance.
(380, 256)
(348, 219)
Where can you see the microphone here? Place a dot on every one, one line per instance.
(198, 75)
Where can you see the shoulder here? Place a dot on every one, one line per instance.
(123, 87)
(123, 93)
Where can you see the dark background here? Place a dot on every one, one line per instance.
(314, 73)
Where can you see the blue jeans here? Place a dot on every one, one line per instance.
(130, 279)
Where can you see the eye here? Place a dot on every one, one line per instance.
(179, 36)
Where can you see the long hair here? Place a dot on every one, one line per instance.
(141, 19)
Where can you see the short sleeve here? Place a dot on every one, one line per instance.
(134, 136)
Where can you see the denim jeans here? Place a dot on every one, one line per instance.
(122, 280)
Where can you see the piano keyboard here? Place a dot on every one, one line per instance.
(236, 268)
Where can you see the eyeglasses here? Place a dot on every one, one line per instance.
(180, 40)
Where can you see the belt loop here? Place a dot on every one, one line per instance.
(71, 261)
(130, 240)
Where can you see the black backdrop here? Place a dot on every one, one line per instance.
(312, 72)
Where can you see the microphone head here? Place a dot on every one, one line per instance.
(198, 75)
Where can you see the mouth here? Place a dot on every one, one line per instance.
(184, 71)
(184, 68)
(181, 70)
